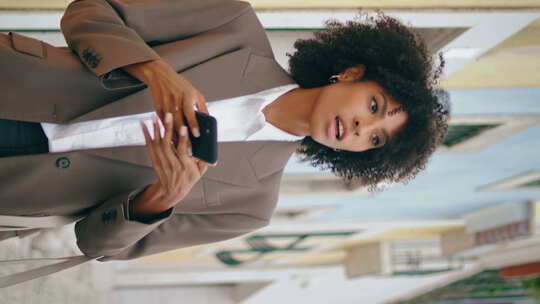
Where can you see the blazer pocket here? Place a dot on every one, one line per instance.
(203, 195)
(211, 193)
(28, 45)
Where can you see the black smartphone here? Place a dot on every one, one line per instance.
(205, 147)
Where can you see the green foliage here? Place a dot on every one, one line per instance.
(460, 133)
(486, 285)
(533, 286)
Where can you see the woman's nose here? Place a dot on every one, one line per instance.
(363, 124)
(356, 127)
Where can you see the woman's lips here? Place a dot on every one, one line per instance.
(332, 129)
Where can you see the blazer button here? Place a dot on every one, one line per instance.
(63, 162)
(108, 216)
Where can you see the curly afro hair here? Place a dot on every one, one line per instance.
(397, 59)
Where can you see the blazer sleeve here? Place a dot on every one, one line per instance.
(105, 233)
(110, 34)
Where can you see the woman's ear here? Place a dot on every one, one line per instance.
(353, 73)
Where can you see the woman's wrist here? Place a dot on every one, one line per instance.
(144, 71)
(147, 204)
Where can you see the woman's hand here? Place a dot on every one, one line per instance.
(177, 171)
(170, 93)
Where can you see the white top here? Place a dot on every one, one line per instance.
(239, 119)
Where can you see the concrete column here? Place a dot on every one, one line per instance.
(455, 241)
(368, 259)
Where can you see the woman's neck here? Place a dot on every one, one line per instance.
(291, 112)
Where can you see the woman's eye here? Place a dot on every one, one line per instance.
(375, 140)
(374, 107)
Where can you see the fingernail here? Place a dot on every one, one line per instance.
(190, 152)
(196, 132)
(168, 117)
(183, 130)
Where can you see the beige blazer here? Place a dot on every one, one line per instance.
(219, 46)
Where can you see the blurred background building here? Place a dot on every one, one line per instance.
(465, 231)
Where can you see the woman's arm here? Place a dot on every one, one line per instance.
(114, 242)
(94, 31)
(106, 34)
(112, 34)
(109, 34)
(112, 239)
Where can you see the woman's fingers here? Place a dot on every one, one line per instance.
(164, 162)
(158, 105)
(182, 146)
(178, 96)
(185, 153)
(201, 105)
(165, 101)
(168, 127)
(177, 110)
(175, 168)
(178, 123)
(153, 157)
(190, 99)
(203, 166)
(159, 91)
(170, 154)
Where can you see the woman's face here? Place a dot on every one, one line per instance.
(361, 114)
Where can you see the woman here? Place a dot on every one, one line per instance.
(387, 83)
(361, 102)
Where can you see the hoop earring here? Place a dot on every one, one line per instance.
(333, 79)
(395, 111)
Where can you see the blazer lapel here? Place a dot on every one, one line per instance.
(272, 157)
(244, 163)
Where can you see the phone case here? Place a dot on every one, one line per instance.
(205, 147)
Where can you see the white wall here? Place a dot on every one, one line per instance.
(175, 295)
